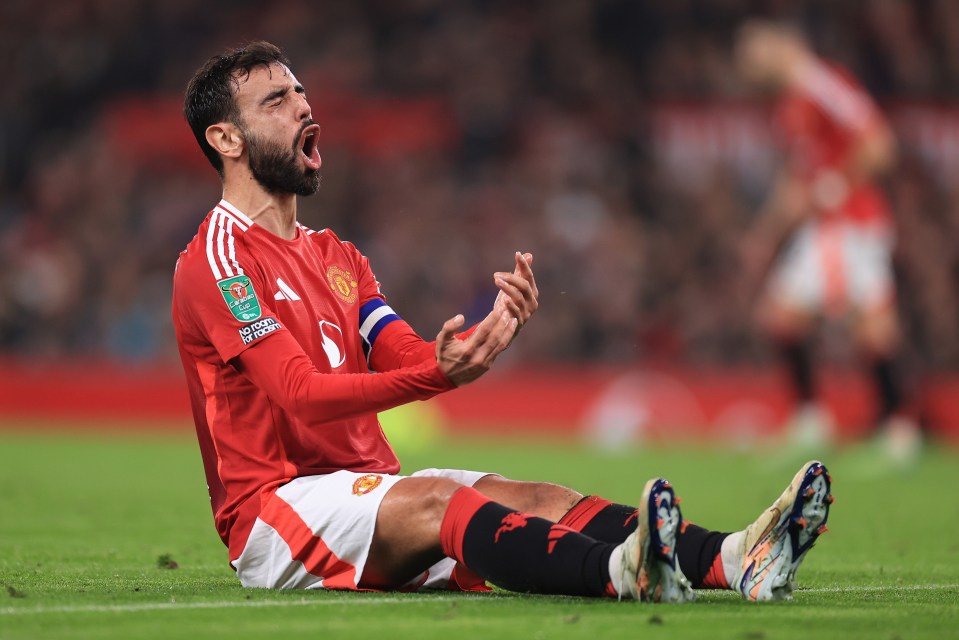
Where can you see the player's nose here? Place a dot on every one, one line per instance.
(303, 111)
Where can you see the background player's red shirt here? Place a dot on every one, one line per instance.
(820, 121)
(274, 336)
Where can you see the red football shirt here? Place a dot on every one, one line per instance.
(278, 339)
(820, 120)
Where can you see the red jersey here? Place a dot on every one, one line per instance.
(820, 119)
(277, 339)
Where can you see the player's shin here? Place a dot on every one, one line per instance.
(700, 557)
(520, 552)
(601, 519)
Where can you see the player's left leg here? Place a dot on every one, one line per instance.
(761, 561)
(698, 549)
(878, 335)
(868, 260)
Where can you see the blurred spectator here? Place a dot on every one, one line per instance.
(453, 134)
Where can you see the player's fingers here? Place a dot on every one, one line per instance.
(483, 329)
(525, 268)
(514, 302)
(511, 308)
(524, 264)
(513, 284)
(450, 327)
(500, 303)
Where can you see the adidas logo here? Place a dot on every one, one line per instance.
(285, 292)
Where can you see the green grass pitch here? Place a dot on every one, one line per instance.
(85, 519)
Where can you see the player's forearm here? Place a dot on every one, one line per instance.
(872, 155)
(783, 210)
(328, 397)
(290, 379)
(398, 346)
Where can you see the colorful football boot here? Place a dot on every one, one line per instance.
(651, 570)
(775, 544)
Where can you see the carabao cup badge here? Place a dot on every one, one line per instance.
(342, 283)
(240, 298)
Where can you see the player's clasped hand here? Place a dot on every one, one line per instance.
(518, 293)
(466, 360)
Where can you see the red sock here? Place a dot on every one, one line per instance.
(460, 511)
(716, 577)
(700, 556)
(463, 506)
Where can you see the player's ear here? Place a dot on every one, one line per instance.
(226, 138)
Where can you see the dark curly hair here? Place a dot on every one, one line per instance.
(210, 94)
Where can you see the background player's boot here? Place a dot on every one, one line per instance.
(651, 570)
(773, 546)
(811, 427)
(901, 441)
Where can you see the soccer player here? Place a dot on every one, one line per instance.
(280, 330)
(832, 222)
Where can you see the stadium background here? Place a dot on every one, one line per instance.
(610, 138)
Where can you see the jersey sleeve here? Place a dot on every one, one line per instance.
(397, 346)
(840, 98)
(287, 375)
(229, 312)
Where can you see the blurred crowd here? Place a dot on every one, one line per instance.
(454, 132)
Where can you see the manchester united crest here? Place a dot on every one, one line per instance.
(365, 484)
(342, 283)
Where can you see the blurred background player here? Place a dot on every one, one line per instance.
(825, 234)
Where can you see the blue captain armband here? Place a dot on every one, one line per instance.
(374, 316)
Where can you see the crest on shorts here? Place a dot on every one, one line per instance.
(342, 283)
(365, 484)
(240, 298)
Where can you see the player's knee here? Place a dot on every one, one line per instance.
(878, 334)
(429, 497)
(552, 501)
(542, 499)
(783, 324)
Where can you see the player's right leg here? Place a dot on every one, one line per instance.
(810, 424)
(878, 335)
(424, 519)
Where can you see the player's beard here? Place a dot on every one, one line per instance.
(278, 169)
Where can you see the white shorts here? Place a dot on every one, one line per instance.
(315, 532)
(835, 266)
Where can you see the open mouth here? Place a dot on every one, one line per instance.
(309, 139)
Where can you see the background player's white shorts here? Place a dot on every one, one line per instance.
(315, 532)
(834, 266)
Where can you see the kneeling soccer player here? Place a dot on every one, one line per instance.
(280, 328)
